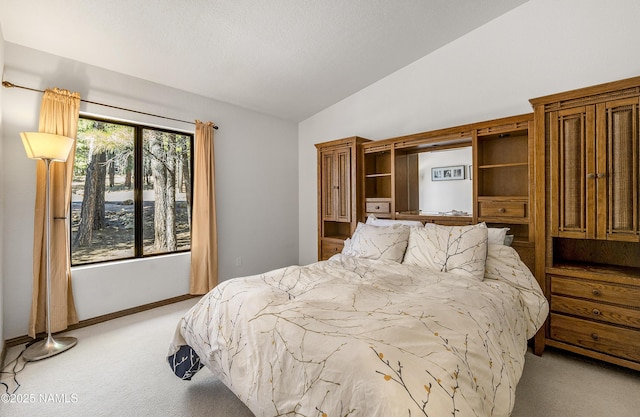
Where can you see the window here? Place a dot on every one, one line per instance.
(131, 192)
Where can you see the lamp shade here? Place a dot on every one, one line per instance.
(40, 145)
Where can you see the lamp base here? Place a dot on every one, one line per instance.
(48, 347)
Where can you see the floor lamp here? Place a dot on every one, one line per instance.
(49, 148)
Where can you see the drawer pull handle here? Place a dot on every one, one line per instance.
(377, 207)
(501, 210)
(596, 292)
(595, 336)
(596, 312)
(591, 175)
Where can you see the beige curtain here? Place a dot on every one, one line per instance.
(58, 114)
(204, 239)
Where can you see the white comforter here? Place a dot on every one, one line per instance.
(360, 337)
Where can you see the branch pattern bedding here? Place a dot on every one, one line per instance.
(402, 323)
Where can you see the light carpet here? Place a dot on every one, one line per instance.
(118, 368)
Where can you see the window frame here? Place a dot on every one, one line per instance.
(138, 154)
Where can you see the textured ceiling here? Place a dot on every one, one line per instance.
(286, 58)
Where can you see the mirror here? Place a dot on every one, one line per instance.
(444, 178)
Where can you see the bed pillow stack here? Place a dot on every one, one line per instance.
(460, 250)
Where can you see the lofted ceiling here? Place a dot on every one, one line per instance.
(286, 58)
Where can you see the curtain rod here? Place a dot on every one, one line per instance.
(7, 84)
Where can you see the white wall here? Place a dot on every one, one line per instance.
(2, 174)
(539, 48)
(256, 177)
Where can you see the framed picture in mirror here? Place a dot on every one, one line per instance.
(456, 172)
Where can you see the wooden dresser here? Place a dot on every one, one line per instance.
(597, 309)
(587, 160)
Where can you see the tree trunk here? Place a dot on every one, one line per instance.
(90, 200)
(128, 172)
(112, 170)
(170, 197)
(159, 176)
(99, 216)
(186, 181)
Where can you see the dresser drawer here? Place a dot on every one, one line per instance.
(597, 291)
(378, 207)
(596, 311)
(612, 340)
(328, 248)
(507, 209)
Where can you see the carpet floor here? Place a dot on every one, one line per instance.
(118, 368)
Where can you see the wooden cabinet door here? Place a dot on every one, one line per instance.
(618, 171)
(336, 185)
(328, 193)
(573, 184)
(343, 183)
(595, 168)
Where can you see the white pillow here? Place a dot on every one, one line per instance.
(425, 249)
(497, 235)
(461, 250)
(374, 221)
(378, 242)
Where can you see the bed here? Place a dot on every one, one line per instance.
(406, 321)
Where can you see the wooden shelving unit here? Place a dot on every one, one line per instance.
(378, 180)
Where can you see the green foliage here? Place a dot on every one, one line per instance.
(96, 137)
